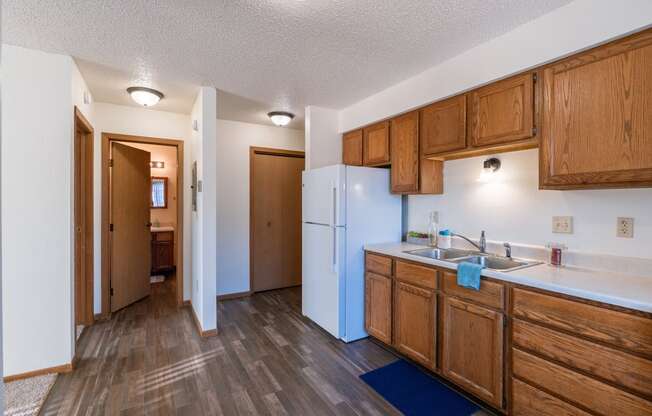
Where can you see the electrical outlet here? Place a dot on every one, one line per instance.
(562, 225)
(625, 227)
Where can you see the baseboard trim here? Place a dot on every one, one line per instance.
(186, 302)
(102, 316)
(59, 369)
(236, 295)
(202, 333)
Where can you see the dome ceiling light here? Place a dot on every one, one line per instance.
(280, 118)
(147, 97)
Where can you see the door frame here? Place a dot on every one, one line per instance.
(83, 284)
(107, 138)
(253, 150)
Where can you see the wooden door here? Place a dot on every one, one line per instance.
(404, 131)
(378, 306)
(443, 126)
(83, 189)
(375, 143)
(352, 148)
(596, 129)
(502, 112)
(275, 219)
(472, 348)
(415, 317)
(130, 217)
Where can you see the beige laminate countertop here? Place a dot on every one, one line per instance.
(633, 292)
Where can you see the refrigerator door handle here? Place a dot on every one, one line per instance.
(334, 261)
(334, 202)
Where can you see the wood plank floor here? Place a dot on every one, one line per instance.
(267, 360)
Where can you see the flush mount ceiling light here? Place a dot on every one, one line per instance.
(147, 97)
(280, 118)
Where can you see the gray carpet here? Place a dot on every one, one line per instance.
(25, 397)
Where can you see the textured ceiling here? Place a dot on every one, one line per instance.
(268, 54)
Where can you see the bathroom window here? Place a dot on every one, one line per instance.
(159, 192)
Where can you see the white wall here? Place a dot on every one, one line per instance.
(513, 209)
(204, 220)
(37, 238)
(233, 142)
(322, 140)
(578, 25)
(136, 121)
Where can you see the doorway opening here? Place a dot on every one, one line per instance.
(275, 218)
(83, 220)
(142, 219)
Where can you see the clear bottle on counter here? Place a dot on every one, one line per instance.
(433, 228)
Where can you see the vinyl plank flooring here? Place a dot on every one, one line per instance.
(267, 359)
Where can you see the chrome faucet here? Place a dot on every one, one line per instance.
(483, 241)
(508, 250)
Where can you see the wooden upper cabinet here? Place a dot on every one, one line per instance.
(443, 126)
(404, 131)
(502, 112)
(376, 144)
(597, 120)
(472, 348)
(378, 306)
(352, 148)
(415, 321)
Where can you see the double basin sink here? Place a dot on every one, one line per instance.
(489, 261)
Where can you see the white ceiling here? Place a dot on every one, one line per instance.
(268, 54)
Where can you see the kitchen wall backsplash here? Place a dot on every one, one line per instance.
(510, 207)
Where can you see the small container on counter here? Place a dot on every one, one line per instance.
(444, 239)
(556, 251)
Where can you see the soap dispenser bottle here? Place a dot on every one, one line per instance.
(433, 228)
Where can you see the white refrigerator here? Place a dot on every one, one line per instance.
(344, 208)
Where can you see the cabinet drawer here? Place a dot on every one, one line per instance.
(609, 364)
(378, 264)
(616, 328)
(419, 275)
(163, 236)
(599, 397)
(490, 294)
(528, 401)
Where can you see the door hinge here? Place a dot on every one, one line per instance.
(504, 321)
(110, 163)
(534, 131)
(111, 291)
(110, 227)
(535, 77)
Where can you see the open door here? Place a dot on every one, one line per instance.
(130, 225)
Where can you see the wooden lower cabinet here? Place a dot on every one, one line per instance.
(162, 251)
(378, 306)
(415, 321)
(472, 348)
(529, 401)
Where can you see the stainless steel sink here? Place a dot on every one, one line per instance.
(441, 254)
(503, 264)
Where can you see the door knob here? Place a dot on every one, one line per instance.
(148, 225)
(269, 223)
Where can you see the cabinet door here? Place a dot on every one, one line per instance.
(378, 306)
(415, 317)
(443, 126)
(472, 349)
(404, 131)
(352, 148)
(596, 117)
(502, 112)
(162, 255)
(376, 144)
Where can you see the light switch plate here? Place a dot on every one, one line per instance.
(625, 227)
(562, 225)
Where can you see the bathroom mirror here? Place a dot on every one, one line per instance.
(159, 192)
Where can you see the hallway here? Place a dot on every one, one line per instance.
(267, 359)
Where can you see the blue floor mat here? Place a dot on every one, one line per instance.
(415, 393)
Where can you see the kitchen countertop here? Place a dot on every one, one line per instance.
(628, 291)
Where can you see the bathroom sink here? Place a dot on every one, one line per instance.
(441, 254)
(503, 264)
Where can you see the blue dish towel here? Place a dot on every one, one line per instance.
(468, 275)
